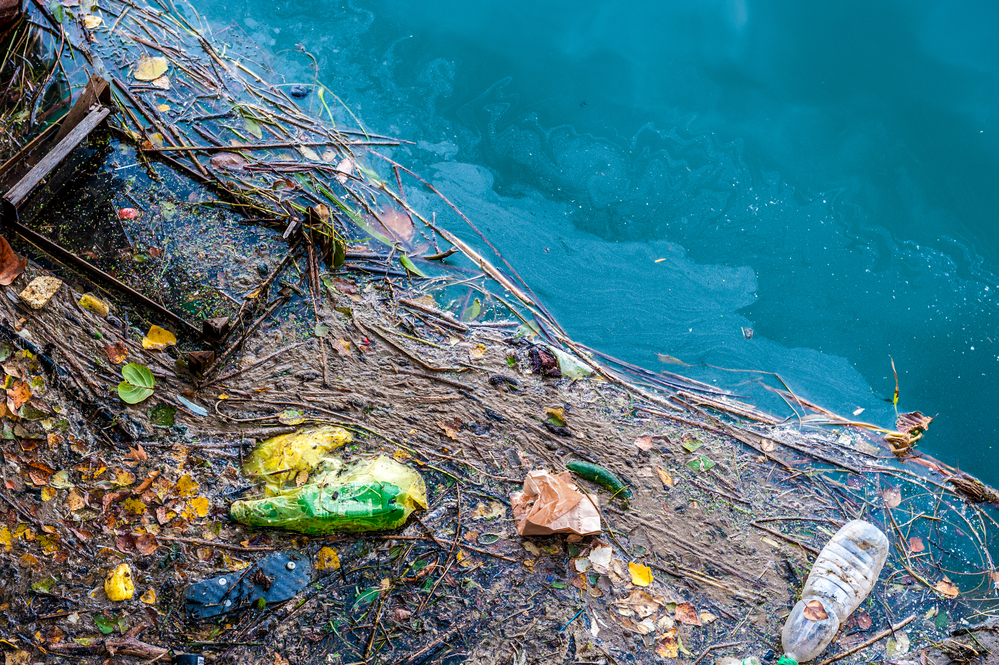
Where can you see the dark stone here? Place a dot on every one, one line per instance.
(298, 91)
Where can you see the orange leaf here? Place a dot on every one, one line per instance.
(146, 544)
(916, 545)
(19, 393)
(644, 443)
(117, 353)
(947, 588)
(665, 477)
(815, 611)
(687, 613)
(11, 263)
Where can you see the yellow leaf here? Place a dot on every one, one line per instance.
(665, 477)
(309, 153)
(123, 477)
(163, 108)
(201, 506)
(158, 338)
(5, 539)
(91, 21)
(641, 575)
(134, 505)
(327, 559)
(93, 303)
(149, 597)
(48, 493)
(478, 351)
(118, 585)
(668, 648)
(186, 487)
(148, 69)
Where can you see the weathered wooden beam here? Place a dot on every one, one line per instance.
(97, 92)
(17, 194)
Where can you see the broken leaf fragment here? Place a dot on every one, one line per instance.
(641, 575)
(228, 160)
(90, 21)
(148, 69)
(149, 597)
(138, 383)
(947, 588)
(158, 339)
(118, 585)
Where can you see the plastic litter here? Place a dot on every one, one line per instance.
(728, 660)
(274, 579)
(370, 495)
(843, 574)
(119, 586)
(553, 504)
(279, 460)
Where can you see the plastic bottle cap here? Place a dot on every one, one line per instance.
(290, 565)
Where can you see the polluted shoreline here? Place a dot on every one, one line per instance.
(261, 306)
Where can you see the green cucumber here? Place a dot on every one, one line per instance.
(601, 476)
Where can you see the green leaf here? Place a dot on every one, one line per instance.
(691, 446)
(57, 11)
(162, 415)
(252, 127)
(700, 463)
(44, 585)
(106, 624)
(138, 383)
(942, 621)
(410, 266)
(366, 597)
(488, 538)
(472, 311)
(290, 417)
(322, 330)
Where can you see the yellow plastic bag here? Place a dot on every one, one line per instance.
(280, 459)
(370, 495)
(118, 585)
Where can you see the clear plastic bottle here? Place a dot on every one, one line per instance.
(843, 574)
(751, 660)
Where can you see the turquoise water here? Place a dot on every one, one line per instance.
(825, 175)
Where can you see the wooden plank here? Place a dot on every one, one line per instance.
(96, 92)
(19, 192)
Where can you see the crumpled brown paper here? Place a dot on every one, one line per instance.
(553, 504)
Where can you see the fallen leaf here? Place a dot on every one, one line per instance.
(48, 493)
(117, 352)
(706, 617)
(947, 588)
(687, 613)
(200, 505)
(897, 645)
(478, 351)
(600, 558)
(90, 21)
(398, 223)
(146, 544)
(310, 154)
(158, 339)
(449, 431)
(638, 602)
(668, 647)
(291, 417)
(128, 213)
(665, 477)
(644, 443)
(892, 497)
(345, 168)
(75, 500)
(864, 621)
(186, 487)
(163, 82)
(149, 597)
(556, 416)
(916, 545)
(912, 423)
(19, 393)
(12, 264)
(138, 383)
(815, 611)
(148, 69)
(137, 454)
(641, 575)
(341, 346)
(228, 160)
(327, 558)
(767, 446)
(670, 360)
(92, 303)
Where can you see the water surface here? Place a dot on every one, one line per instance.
(664, 174)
